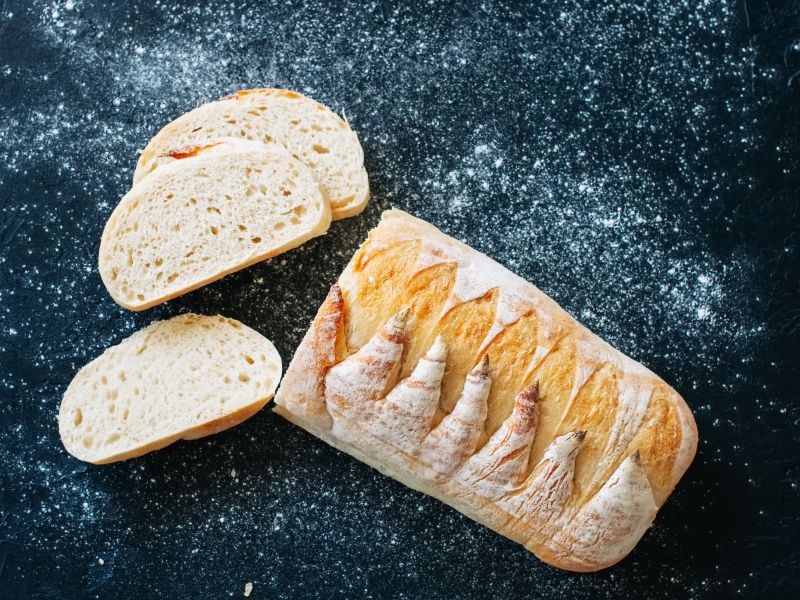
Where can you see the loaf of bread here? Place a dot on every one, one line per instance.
(309, 130)
(183, 378)
(442, 369)
(214, 209)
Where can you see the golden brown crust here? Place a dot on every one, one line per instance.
(558, 421)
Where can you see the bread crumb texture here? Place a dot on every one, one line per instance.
(204, 216)
(185, 377)
(310, 131)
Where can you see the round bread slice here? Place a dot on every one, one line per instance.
(309, 130)
(215, 209)
(183, 378)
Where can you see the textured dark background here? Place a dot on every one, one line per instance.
(638, 164)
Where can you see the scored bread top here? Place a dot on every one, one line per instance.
(309, 130)
(216, 209)
(182, 378)
(467, 382)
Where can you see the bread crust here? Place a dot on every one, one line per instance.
(580, 445)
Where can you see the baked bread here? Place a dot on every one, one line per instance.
(440, 368)
(309, 130)
(215, 209)
(183, 378)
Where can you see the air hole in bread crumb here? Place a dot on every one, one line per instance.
(279, 226)
(295, 220)
(300, 210)
(316, 127)
(172, 278)
(320, 149)
(244, 377)
(136, 391)
(192, 200)
(114, 274)
(159, 275)
(112, 408)
(77, 419)
(226, 379)
(242, 228)
(140, 297)
(104, 380)
(214, 209)
(126, 414)
(256, 240)
(263, 189)
(170, 196)
(87, 442)
(214, 230)
(249, 359)
(286, 192)
(232, 121)
(112, 438)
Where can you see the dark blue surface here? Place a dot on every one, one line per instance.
(638, 164)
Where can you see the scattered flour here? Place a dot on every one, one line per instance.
(577, 145)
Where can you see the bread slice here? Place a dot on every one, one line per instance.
(215, 209)
(183, 378)
(309, 130)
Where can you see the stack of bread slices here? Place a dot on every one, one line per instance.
(226, 185)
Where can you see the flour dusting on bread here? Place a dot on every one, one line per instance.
(553, 439)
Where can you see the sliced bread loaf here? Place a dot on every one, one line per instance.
(309, 130)
(183, 378)
(215, 209)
